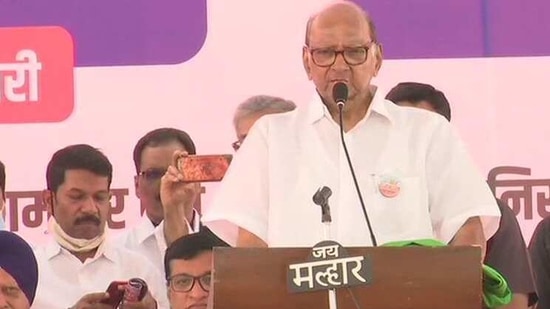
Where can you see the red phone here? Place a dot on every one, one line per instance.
(204, 168)
(115, 294)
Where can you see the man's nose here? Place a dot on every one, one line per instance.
(197, 292)
(3, 301)
(340, 63)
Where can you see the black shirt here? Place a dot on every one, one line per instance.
(539, 248)
(507, 253)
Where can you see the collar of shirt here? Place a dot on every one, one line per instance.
(317, 109)
(106, 249)
(146, 229)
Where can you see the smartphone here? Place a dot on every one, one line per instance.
(204, 168)
(115, 294)
(135, 290)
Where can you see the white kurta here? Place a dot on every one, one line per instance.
(148, 240)
(64, 279)
(286, 157)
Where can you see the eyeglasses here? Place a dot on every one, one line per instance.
(184, 283)
(152, 174)
(325, 57)
(236, 145)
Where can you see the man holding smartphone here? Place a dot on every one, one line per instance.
(153, 154)
(79, 263)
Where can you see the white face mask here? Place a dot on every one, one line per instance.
(74, 244)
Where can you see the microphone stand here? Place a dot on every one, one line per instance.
(322, 200)
(332, 304)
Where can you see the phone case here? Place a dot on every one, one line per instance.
(205, 168)
(115, 294)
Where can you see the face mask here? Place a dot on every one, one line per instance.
(74, 244)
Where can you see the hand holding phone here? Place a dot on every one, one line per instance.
(116, 293)
(204, 168)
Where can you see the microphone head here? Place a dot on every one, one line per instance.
(321, 196)
(340, 93)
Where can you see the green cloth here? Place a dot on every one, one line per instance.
(496, 291)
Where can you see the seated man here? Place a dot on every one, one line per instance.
(248, 112)
(506, 250)
(188, 266)
(153, 155)
(174, 193)
(18, 272)
(80, 262)
(539, 248)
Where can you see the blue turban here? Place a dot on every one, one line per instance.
(18, 260)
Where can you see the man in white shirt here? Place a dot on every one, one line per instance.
(80, 262)
(415, 176)
(153, 154)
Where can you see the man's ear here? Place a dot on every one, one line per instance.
(306, 62)
(47, 198)
(136, 186)
(376, 52)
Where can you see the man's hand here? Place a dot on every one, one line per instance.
(148, 302)
(177, 198)
(471, 234)
(249, 240)
(92, 301)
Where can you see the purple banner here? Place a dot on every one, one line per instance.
(411, 29)
(118, 32)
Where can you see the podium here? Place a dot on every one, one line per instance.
(401, 278)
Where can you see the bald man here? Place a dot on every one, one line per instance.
(413, 173)
(18, 272)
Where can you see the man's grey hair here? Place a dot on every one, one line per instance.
(262, 105)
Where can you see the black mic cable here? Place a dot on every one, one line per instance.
(340, 96)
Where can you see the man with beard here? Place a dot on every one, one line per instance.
(80, 262)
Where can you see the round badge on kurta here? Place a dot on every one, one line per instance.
(389, 186)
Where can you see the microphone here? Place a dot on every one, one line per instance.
(340, 96)
(321, 198)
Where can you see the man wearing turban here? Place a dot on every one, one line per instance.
(18, 272)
